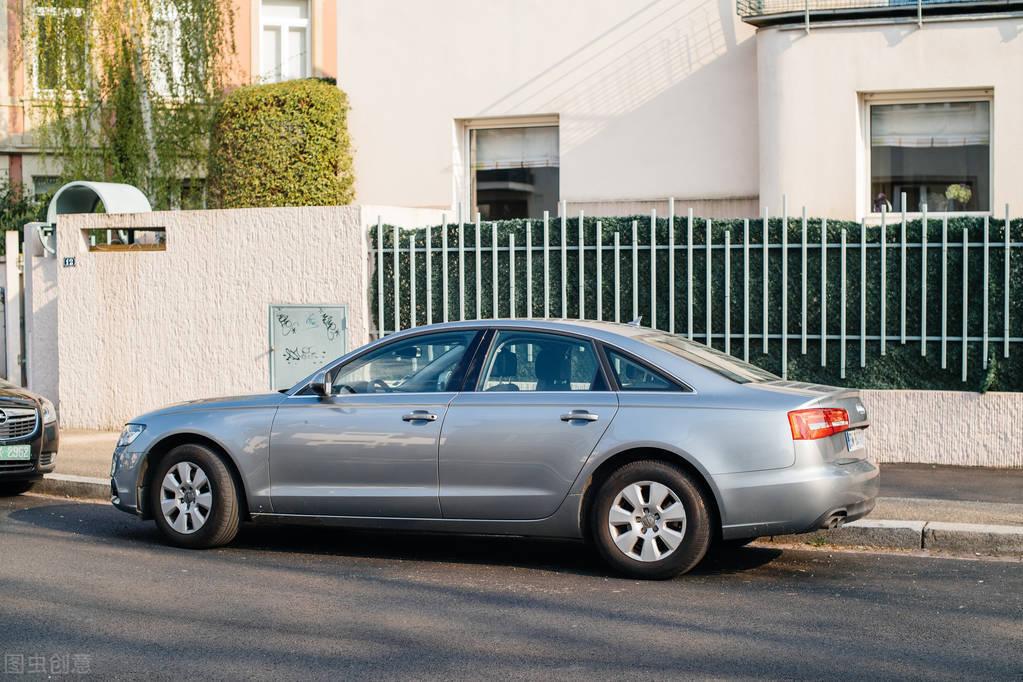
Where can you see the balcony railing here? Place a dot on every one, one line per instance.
(780, 11)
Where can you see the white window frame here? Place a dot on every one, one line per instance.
(167, 13)
(467, 191)
(865, 199)
(284, 26)
(49, 10)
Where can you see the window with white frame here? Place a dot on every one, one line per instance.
(60, 61)
(284, 40)
(937, 153)
(168, 59)
(514, 170)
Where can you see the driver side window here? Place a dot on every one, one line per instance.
(421, 364)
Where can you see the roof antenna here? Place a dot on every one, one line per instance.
(635, 322)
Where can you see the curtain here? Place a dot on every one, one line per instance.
(936, 124)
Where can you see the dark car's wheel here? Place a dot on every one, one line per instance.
(650, 520)
(194, 499)
(15, 487)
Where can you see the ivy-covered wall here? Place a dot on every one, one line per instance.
(902, 366)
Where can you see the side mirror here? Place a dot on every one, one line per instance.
(321, 385)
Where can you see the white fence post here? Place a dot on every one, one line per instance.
(671, 265)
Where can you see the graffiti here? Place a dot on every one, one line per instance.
(304, 354)
(330, 326)
(287, 326)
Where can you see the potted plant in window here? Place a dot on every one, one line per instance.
(958, 193)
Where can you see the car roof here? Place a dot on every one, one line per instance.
(602, 330)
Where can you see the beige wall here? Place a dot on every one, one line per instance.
(654, 99)
(812, 142)
(139, 330)
(945, 427)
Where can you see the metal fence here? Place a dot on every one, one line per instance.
(773, 284)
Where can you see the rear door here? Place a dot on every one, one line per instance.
(511, 448)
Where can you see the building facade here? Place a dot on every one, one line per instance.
(273, 40)
(507, 106)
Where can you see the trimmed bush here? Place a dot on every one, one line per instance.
(902, 366)
(284, 144)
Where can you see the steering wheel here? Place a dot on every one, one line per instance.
(382, 385)
(344, 387)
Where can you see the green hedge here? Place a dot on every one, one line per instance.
(284, 144)
(902, 366)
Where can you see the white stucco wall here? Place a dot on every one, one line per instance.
(812, 143)
(142, 329)
(945, 427)
(654, 99)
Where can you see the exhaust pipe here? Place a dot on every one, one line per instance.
(835, 520)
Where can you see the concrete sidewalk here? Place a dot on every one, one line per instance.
(956, 509)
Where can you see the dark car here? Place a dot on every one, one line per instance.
(29, 437)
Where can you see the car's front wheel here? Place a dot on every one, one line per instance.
(650, 520)
(194, 499)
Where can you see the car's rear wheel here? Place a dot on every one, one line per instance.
(650, 520)
(194, 499)
(9, 488)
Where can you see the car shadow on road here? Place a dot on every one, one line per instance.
(562, 556)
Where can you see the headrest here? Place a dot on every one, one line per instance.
(551, 365)
(506, 364)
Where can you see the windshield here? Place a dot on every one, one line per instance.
(708, 358)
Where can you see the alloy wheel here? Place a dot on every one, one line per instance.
(647, 521)
(186, 497)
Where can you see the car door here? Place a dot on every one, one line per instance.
(370, 448)
(511, 448)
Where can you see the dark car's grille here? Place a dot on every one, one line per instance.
(16, 467)
(17, 422)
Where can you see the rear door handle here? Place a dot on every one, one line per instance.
(579, 415)
(419, 416)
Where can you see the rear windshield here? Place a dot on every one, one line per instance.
(708, 358)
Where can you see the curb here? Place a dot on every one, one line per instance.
(80, 487)
(960, 538)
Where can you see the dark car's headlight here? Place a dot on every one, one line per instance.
(48, 410)
(129, 434)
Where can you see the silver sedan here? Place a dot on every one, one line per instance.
(652, 446)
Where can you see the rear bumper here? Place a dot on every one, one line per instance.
(796, 500)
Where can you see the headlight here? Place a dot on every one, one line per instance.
(49, 412)
(129, 434)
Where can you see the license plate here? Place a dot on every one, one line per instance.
(855, 440)
(13, 453)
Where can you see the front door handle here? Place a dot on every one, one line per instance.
(579, 415)
(419, 416)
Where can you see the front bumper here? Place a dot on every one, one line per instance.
(797, 499)
(125, 476)
(45, 441)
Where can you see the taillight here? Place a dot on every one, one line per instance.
(818, 422)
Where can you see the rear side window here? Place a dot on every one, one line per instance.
(633, 376)
(709, 358)
(528, 361)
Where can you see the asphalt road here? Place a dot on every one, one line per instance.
(968, 484)
(288, 603)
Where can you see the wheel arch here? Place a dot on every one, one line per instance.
(162, 447)
(635, 454)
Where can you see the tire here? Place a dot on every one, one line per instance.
(662, 527)
(11, 488)
(210, 516)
